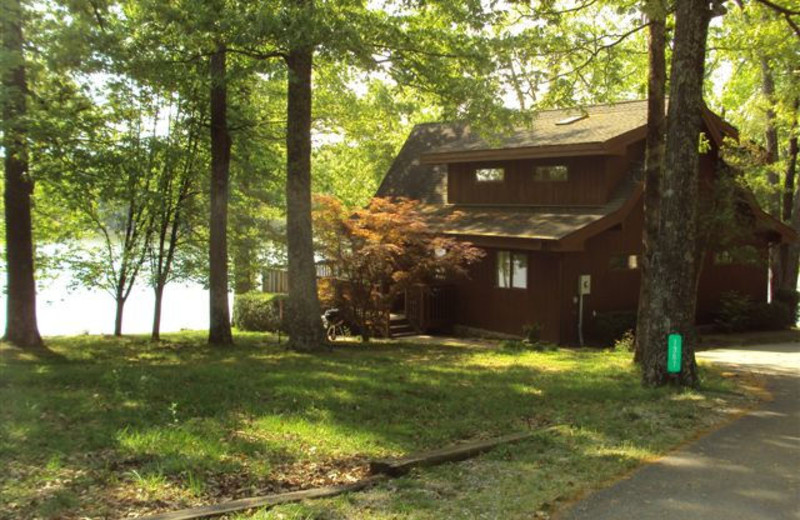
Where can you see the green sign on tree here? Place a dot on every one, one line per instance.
(674, 348)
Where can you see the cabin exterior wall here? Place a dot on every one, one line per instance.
(484, 305)
(551, 296)
(585, 185)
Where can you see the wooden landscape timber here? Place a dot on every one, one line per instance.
(459, 452)
(380, 470)
(263, 501)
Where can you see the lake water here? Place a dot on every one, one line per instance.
(63, 312)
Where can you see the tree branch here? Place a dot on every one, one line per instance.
(779, 8)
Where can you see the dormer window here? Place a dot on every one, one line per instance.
(489, 174)
(551, 173)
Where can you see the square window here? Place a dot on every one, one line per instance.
(503, 269)
(512, 270)
(623, 262)
(519, 271)
(489, 174)
(552, 173)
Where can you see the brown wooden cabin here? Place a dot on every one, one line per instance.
(549, 204)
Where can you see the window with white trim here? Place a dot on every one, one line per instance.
(551, 173)
(512, 270)
(623, 262)
(489, 174)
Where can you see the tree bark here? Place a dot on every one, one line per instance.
(790, 253)
(155, 334)
(671, 298)
(219, 331)
(771, 157)
(21, 326)
(654, 150)
(120, 309)
(303, 310)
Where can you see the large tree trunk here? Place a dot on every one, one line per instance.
(303, 311)
(21, 327)
(671, 298)
(771, 157)
(654, 151)
(219, 330)
(790, 253)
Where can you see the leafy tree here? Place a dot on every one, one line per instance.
(109, 183)
(174, 206)
(671, 293)
(21, 326)
(760, 41)
(381, 251)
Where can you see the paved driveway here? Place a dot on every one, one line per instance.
(749, 469)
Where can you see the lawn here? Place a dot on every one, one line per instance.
(123, 426)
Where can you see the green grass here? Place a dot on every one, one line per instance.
(124, 425)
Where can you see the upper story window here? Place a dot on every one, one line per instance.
(623, 262)
(512, 270)
(743, 255)
(489, 174)
(551, 173)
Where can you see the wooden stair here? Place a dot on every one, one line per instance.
(399, 326)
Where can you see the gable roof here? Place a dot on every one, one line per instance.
(419, 172)
(593, 130)
(409, 177)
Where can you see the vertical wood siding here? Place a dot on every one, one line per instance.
(586, 185)
(482, 304)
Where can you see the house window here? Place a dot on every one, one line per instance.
(552, 173)
(489, 174)
(512, 270)
(623, 262)
(744, 255)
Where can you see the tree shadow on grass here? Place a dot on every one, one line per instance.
(255, 410)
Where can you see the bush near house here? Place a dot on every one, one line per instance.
(737, 313)
(258, 312)
(606, 328)
(791, 299)
(380, 252)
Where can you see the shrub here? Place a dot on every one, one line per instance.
(769, 316)
(738, 313)
(532, 332)
(626, 343)
(257, 311)
(608, 327)
(791, 299)
(733, 313)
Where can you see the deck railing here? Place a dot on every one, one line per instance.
(431, 307)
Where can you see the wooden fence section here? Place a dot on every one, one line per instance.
(276, 280)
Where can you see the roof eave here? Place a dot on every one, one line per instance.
(529, 152)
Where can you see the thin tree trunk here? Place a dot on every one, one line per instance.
(21, 326)
(671, 298)
(303, 311)
(118, 316)
(219, 331)
(158, 290)
(654, 151)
